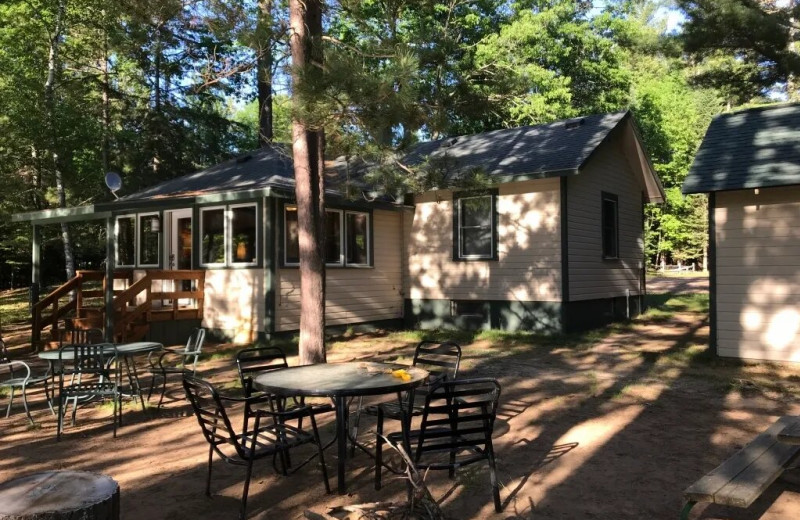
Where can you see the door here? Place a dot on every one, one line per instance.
(180, 248)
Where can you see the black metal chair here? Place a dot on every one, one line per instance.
(260, 441)
(440, 359)
(20, 376)
(72, 336)
(175, 362)
(93, 372)
(456, 430)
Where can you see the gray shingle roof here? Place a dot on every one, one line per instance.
(544, 150)
(753, 148)
(553, 149)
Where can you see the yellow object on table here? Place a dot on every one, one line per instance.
(402, 374)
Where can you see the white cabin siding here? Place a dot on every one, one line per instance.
(758, 273)
(354, 295)
(234, 302)
(528, 267)
(590, 276)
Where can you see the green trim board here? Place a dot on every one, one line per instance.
(712, 273)
(591, 314)
(543, 317)
(61, 215)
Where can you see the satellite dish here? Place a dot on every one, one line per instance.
(114, 183)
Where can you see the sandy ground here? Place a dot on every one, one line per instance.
(614, 430)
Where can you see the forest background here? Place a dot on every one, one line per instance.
(156, 89)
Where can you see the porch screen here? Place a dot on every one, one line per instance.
(212, 222)
(126, 241)
(243, 232)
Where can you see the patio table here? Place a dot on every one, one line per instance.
(340, 381)
(125, 350)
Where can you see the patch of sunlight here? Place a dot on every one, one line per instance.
(782, 329)
(751, 318)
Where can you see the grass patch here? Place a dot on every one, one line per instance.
(14, 306)
(664, 306)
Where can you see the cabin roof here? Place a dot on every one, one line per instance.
(753, 148)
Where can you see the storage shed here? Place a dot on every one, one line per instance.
(749, 164)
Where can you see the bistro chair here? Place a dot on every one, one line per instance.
(456, 430)
(73, 336)
(93, 371)
(256, 360)
(175, 362)
(17, 374)
(270, 435)
(441, 360)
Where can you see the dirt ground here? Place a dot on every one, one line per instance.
(616, 429)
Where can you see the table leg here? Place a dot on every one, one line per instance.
(341, 434)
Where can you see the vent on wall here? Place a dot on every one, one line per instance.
(570, 125)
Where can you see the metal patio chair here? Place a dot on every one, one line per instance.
(269, 437)
(18, 374)
(175, 362)
(440, 359)
(93, 371)
(72, 336)
(456, 430)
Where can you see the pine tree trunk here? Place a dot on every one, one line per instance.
(50, 117)
(305, 18)
(264, 42)
(105, 99)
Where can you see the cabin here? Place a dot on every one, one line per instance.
(749, 165)
(551, 240)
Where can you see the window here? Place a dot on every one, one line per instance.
(346, 238)
(126, 241)
(357, 233)
(243, 234)
(474, 218)
(149, 240)
(610, 224)
(212, 236)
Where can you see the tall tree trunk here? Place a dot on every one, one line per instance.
(157, 99)
(264, 41)
(305, 18)
(105, 99)
(50, 108)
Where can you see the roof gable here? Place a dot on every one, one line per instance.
(753, 148)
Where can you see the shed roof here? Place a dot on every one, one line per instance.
(754, 148)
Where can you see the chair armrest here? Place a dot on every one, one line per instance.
(290, 414)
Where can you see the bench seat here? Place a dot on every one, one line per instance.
(741, 479)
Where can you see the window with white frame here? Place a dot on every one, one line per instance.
(244, 234)
(126, 241)
(149, 239)
(347, 239)
(474, 233)
(212, 236)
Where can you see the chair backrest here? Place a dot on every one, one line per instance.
(259, 359)
(194, 347)
(87, 359)
(440, 359)
(3, 352)
(22, 372)
(211, 415)
(458, 416)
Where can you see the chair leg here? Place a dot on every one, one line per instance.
(60, 417)
(10, 402)
(74, 410)
(163, 389)
(25, 404)
(323, 467)
(208, 474)
(378, 451)
(356, 425)
(114, 416)
(493, 478)
(242, 514)
(48, 397)
(152, 384)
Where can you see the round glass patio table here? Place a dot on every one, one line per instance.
(340, 381)
(124, 350)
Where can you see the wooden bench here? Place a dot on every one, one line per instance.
(741, 479)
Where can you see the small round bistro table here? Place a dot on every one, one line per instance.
(340, 381)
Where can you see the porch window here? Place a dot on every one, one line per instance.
(126, 241)
(149, 240)
(357, 232)
(346, 238)
(610, 226)
(212, 233)
(243, 234)
(474, 227)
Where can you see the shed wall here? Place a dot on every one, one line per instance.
(758, 273)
